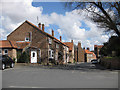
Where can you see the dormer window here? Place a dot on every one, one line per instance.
(27, 39)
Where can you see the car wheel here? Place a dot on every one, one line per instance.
(3, 66)
(12, 65)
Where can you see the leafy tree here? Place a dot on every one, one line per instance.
(106, 16)
(112, 45)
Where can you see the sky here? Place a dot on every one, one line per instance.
(70, 24)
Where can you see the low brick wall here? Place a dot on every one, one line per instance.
(110, 63)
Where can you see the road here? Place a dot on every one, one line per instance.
(81, 76)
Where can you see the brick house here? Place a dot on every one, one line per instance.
(71, 50)
(89, 55)
(43, 46)
(79, 53)
(97, 50)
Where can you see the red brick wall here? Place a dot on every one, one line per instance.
(80, 53)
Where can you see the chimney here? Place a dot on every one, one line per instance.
(52, 32)
(79, 44)
(88, 48)
(39, 25)
(43, 27)
(71, 41)
(83, 48)
(60, 38)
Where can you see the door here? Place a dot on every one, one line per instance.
(34, 56)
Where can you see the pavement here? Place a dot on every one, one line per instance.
(84, 75)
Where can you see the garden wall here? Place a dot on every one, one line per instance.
(110, 62)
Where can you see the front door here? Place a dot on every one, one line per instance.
(34, 56)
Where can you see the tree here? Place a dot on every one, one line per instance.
(112, 45)
(107, 15)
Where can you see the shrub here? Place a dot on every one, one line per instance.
(24, 58)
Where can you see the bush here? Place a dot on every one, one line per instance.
(24, 58)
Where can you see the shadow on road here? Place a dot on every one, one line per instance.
(81, 66)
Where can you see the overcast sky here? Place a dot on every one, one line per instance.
(67, 23)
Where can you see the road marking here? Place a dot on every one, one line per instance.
(24, 87)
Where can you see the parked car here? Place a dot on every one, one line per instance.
(94, 61)
(6, 61)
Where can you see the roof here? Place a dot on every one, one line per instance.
(99, 46)
(7, 44)
(70, 45)
(21, 45)
(88, 52)
(13, 44)
(45, 33)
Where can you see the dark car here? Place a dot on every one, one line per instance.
(94, 61)
(6, 61)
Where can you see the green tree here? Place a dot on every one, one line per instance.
(112, 45)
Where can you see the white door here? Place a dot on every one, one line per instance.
(33, 56)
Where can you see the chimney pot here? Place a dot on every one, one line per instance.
(71, 41)
(43, 27)
(60, 38)
(39, 25)
(88, 48)
(52, 32)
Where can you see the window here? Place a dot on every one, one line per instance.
(39, 53)
(33, 54)
(51, 54)
(57, 45)
(67, 48)
(50, 41)
(0, 51)
(27, 39)
(5, 51)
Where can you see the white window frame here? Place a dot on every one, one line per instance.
(50, 40)
(26, 38)
(1, 51)
(4, 52)
(39, 52)
(51, 53)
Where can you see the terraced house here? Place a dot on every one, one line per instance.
(42, 46)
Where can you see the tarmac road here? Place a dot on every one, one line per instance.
(37, 77)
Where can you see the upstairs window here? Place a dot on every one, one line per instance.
(50, 41)
(57, 45)
(27, 39)
(28, 36)
(5, 51)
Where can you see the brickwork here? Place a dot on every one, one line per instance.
(80, 53)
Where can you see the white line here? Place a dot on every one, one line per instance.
(24, 87)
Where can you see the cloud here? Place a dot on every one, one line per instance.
(70, 24)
